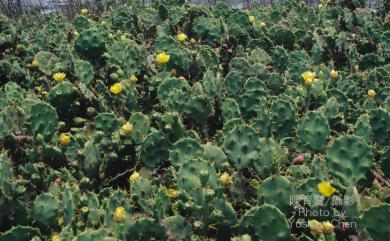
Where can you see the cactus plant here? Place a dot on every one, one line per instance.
(348, 159)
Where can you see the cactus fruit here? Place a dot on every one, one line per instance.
(348, 159)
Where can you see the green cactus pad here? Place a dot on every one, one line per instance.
(43, 120)
(348, 159)
(242, 146)
(155, 149)
(46, 209)
(314, 130)
(183, 150)
(375, 218)
(276, 190)
(283, 118)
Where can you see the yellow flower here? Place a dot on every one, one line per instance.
(65, 139)
(84, 11)
(75, 34)
(119, 215)
(116, 88)
(55, 238)
(134, 177)
(225, 179)
(181, 37)
(357, 67)
(327, 227)
(326, 189)
(127, 128)
(133, 79)
(60, 221)
(162, 58)
(315, 227)
(334, 74)
(84, 209)
(123, 37)
(103, 23)
(308, 77)
(60, 76)
(251, 19)
(193, 41)
(371, 93)
(34, 63)
(263, 24)
(172, 193)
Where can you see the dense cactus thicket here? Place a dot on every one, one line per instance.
(175, 121)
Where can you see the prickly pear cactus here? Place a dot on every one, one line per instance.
(349, 158)
(90, 44)
(46, 209)
(242, 146)
(314, 130)
(44, 120)
(373, 219)
(276, 190)
(267, 222)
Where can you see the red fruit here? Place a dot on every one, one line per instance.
(298, 160)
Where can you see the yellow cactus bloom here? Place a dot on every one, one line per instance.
(84, 11)
(162, 58)
(181, 37)
(133, 79)
(327, 227)
(60, 221)
(119, 215)
(84, 209)
(123, 37)
(225, 179)
(371, 93)
(172, 193)
(308, 77)
(55, 238)
(59, 76)
(127, 128)
(65, 139)
(193, 41)
(263, 24)
(315, 227)
(134, 177)
(326, 189)
(35, 63)
(251, 19)
(116, 88)
(334, 74)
